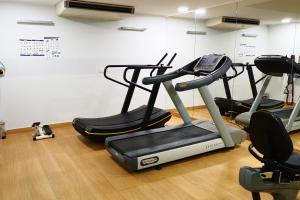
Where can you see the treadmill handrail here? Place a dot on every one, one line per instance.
(154, 67)
(243, 65)
(236, 73)
(169, 63)
(135, 84)
(165, 77)
(206, 80)
(124, 66)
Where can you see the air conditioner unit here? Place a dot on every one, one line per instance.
(231, 23)
(93, 10)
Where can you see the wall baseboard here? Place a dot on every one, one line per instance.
(66, 124)
(28, 129)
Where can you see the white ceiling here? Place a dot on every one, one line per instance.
(269, 11)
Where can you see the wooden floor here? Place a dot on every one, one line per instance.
(70, 168)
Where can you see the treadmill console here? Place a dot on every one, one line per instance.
(208, 63)
(276, 65)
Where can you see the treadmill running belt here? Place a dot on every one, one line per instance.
(285, 113)
(265, 103)
(152, 143)
(121, 123)
(134, 115)
(240, 106)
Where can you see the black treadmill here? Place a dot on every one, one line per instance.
(144, 149)
(274, 66)
(142, 118)
(231, 107)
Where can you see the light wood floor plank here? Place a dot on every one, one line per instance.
(70, 167)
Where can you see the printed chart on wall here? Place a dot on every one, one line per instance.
(52, 47)
(47, 47)
(247, 47)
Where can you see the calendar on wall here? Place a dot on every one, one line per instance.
(31, 47)
(47, 47)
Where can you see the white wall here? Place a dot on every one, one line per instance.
(51, 91)
(36, 89)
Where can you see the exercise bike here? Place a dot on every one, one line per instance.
(272, 146)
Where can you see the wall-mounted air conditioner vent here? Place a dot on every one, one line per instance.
(231, 23)
(93, 10)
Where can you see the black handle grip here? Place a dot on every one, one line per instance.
(162, 59)
(242, 65)
(188, 85)
(161, 78)
(172, 59)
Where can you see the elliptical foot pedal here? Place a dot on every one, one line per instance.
(42, 132)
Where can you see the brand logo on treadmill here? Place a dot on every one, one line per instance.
(149, 161)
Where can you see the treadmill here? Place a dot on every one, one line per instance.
(144, 149)
(229, 106)
(274, 65)
(141, 118)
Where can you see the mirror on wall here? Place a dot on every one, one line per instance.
(242, 30)
(180, 39)
(262, 28)
(237, 31)
(192, 35)
(281, 21)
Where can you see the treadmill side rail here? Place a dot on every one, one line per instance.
(179, 153)
(151, 160)
(294, 115)
(177, 102)
(215, 114)
(260, 95)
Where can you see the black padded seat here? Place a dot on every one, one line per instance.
(121, 123)
(270, 138)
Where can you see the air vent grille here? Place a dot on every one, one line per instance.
(238, 20)
(100, 6)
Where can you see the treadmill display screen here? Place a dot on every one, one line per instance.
(208, 63)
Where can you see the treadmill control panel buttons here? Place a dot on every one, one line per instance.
(149, 161)
(208, 63)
